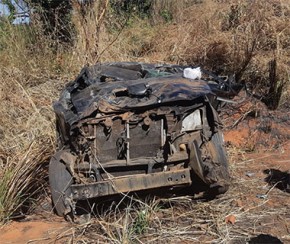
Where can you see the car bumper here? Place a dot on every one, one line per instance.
(117, 185)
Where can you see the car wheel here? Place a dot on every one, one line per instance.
(215, 164)
(60, 181)
(218, 150)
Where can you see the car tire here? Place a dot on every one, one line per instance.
(219, 160)
(218, 144)
(214, 165)
(60, 181)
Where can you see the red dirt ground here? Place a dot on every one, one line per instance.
(259, 146)
(34, 231)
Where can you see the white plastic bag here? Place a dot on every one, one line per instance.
(193, 74)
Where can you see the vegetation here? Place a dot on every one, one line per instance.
(242, 39)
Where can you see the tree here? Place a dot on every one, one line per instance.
(16, 9)
(54, 15)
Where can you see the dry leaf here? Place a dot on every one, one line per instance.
(230, 219)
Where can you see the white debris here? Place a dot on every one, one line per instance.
(249, 174)
(193, 74)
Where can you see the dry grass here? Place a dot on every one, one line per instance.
(225, 36)
(27, 140)
(28, 85)
(33, 68)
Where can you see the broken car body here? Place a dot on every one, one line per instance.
(126, 127)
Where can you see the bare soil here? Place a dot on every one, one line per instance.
(256, 209)
(32, 231)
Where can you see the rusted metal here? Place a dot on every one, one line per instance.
(131, 183)
(128, 143)
(177, 157)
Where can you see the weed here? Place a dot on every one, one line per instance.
(166, 15)
(140, 222)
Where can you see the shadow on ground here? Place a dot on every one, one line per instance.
(278, 178)
(262, 238)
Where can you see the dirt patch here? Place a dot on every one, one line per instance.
(251, 127)
(258, 145)
(33, 232)
(263, 203)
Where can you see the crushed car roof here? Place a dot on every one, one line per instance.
(119, 87)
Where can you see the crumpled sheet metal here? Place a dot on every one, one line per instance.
(88, 94)
(164, 90)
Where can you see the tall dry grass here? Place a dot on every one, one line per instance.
(224, 35)
(29, 82)
(232, 37)
(88, 20)
(228, 37)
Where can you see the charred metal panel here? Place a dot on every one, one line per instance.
(145, 140)
(110, 141)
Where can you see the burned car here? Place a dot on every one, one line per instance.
(127, 127)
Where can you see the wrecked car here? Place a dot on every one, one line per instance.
(127, 127)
